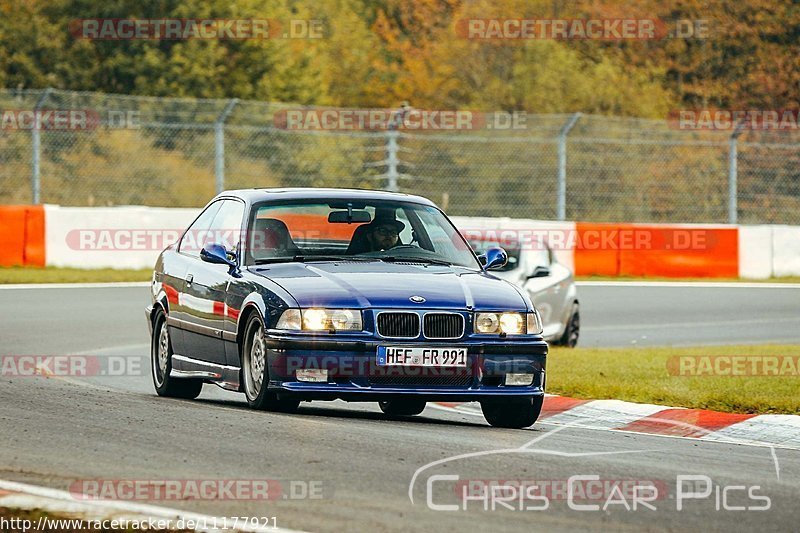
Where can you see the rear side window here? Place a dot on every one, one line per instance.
(196, 236)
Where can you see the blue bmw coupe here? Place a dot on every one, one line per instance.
(291, 295)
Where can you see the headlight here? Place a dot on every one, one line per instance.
(487, 322)
(512, 323)
(321, 320)
(508, 323)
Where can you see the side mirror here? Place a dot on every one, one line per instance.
(216, 253)
(495, 257)
(540, 272)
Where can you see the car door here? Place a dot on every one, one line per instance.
(546, 292)
(175, 281)
(561, 278)
(206, 286)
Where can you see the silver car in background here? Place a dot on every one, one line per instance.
(550, 285)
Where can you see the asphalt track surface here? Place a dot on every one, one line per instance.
(56, 431)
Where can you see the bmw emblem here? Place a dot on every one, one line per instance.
(417, 299)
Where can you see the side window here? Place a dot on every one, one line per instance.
(226, 228)
(540, 257)
(195, 237)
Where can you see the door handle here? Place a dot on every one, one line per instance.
(189, 279)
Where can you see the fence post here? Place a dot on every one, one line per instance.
(391, 160)
(733, 173)
(36, 148)
(219, 145)
(561, 201)
(392, 134)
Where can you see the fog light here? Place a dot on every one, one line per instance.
(519, 379)
(312, 375)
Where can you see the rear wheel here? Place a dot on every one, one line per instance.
(255, 375)
(161, 365)
(573, 329)
(404, 407)
(512, 413)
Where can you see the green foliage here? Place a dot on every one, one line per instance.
(378, 53)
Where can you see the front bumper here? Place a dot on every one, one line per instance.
(354, 375)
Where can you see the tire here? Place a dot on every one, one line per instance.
(405, 407)
(514, 413)
(161, 365)
(573, 330)
(255, 372)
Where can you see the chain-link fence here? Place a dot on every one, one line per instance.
(179, 152)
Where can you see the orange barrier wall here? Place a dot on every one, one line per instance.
(22, 235)
(653, 250)
(596, 260)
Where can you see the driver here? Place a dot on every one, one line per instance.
(384, 233)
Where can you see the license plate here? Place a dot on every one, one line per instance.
(421, 356)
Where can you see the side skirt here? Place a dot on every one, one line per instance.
(226, 377)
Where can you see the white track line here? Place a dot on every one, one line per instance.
(592, 424)
(695, 284)
(59, 501)
(111, 285)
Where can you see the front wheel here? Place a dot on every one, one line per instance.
(255, 375)
(514, 413)
(406, 407)
(161, 365)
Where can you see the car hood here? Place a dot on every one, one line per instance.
(391, 285)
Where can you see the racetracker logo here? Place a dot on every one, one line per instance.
(141, 239)
(401, 119)
(729, 120)
(185, 29)
(50, 119)
(74, 366)
(734, 365)
(513, 29)
(196, 489)
(612, 238)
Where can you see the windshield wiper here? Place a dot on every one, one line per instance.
(304, 258)
(394, 259)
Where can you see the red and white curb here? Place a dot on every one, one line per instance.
(778, 431)
(15, 495)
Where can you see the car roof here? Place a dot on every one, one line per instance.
(306, 193)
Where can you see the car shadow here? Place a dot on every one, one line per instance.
(332, 412)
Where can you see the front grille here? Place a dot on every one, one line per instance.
(398, 325)
(443, 326)
(420, 376)
(460, 380)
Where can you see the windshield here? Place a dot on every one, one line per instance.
(368, 230)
